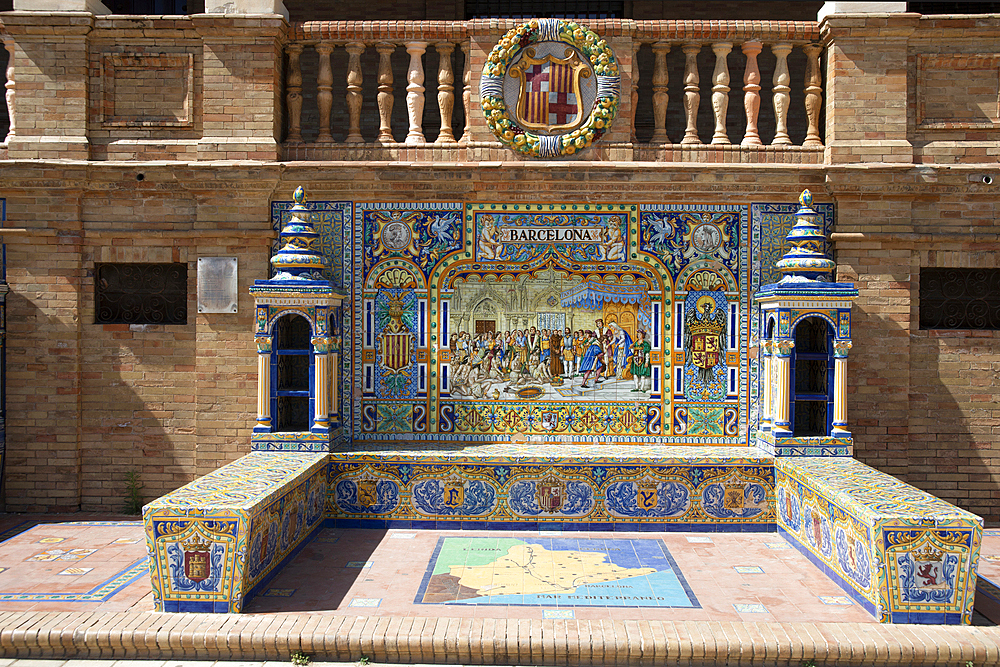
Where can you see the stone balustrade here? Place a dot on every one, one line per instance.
(662, 120)
(210, 87)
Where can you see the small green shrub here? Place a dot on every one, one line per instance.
(133, 493)
(300, 659)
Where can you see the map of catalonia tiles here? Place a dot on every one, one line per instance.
(563, 572)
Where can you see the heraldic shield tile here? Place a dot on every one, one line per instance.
(563, 572)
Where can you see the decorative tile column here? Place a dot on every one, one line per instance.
(840, 349)
(298, 289)
(804, 294)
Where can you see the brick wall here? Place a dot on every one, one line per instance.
(88, 403)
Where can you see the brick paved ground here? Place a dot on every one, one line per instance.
(354, 593)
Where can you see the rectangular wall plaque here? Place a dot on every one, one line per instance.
(217, 281)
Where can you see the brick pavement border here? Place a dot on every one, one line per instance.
(440, 640)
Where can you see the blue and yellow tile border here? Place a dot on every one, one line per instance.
(721, 489)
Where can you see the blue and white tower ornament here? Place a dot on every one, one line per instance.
(299, 257)
(807, 258)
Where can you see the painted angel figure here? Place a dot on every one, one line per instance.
(489, 247)
(612, 247)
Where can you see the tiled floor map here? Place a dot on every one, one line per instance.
(554, 572)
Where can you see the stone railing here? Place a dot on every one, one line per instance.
(666, 78)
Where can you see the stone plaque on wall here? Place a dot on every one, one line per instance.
(217, 281)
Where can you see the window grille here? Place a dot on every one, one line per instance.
(959, 298)
(140, 294)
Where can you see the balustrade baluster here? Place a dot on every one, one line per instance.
(385, 98)
(293, 98)
(446, 92)
(720, 91)
(692, 93)
(354, 100)
(814, 94)
(660, 97)
(781, 93)
(324, 91)
(635, 84)
(415, 92)
(751, 93)
(8, 43)
(466, 92)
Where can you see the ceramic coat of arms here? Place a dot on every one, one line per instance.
(550, 88)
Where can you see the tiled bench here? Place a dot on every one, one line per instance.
(903, 554)
(216, 541)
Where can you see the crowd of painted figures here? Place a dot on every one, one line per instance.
(526, 357)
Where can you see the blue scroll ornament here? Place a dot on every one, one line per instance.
(671, 499)
(523, 499)
(478, 498)
(386, 493)
(713, 495)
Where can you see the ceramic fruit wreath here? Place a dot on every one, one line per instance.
(551, 67)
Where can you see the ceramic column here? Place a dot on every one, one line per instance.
(781, 367)
(840, 349)
(635, 84)
(766, 385)
(466, 92)
(263, 384)
(321, 347)
(334, 387)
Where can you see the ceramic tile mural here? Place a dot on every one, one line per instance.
(721, 488)
(901, 553)
(498, 322)
(216, 540)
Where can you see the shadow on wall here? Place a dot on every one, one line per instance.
(921, 405)
(77, 423)
(954, 418)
